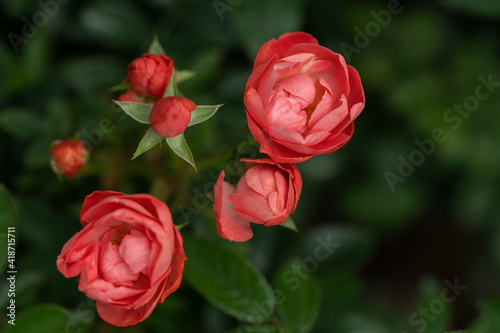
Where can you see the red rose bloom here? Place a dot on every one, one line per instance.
(170, 116)
(301, 99)
(149, 77)
(68, 157)
(267, 194)
(128, 256)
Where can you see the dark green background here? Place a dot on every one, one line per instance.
(397, 247)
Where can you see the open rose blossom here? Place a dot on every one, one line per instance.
(267, 194)
(170, 116)
(149, 77)
(68, 157)
(128, 256)
(301, 99)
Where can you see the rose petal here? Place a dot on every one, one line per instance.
(93, 199)
(122, 316)
(113, 267)
(135, 249)
(281, 46)
(230, 225)
(177, 265)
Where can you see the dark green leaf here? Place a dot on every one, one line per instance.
(172, 86)
(7, 219)
(489, 318)
(488, 8)
(149, 140)
(7, 214)
(21, 123)
(180, 147)
(227, 280)
(37, 154)
(334, 246)
(155, 47)
(28, 283)
(115, 22)
(42, 318)
(298, 298)
(280, 16)
(256, 329)
(138, 111)
(203, 113)
(431, 300)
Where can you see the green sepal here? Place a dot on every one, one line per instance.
(150, 139)
(172, 86)
(184, 75)
(180, 226)
(290, 224)
(203, 113)
(155, 47)
(180, 147)
(138, 111)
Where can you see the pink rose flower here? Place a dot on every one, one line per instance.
(301, 99)
(128, 256)
(267, 194)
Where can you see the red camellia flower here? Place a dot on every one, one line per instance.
(267, 194)
(149, 77)
(170, 116)
(128, 256)
(301, 99)
(68, 157)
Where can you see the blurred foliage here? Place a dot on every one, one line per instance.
(395, 248)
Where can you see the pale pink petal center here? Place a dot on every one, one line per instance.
(135, 249)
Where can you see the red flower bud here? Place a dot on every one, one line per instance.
(171, 115)
(149, 77)
(68, 157)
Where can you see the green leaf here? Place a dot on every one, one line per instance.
(202, 113)
(180, 147)
(256, 329)
(335, 247)
(298, 298)
(290, 224)
(138, 111)
(42, 318)
(184, 75)
(489, 317)
(114, 22)
(172, 86)
(8, 219)
(155, 47)
(485, 8)
(227, 280)
(28, 283)
(431, 299)
(21, 123)
(150, 139)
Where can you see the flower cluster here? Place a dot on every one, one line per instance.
(149, 77)
(301, 100)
